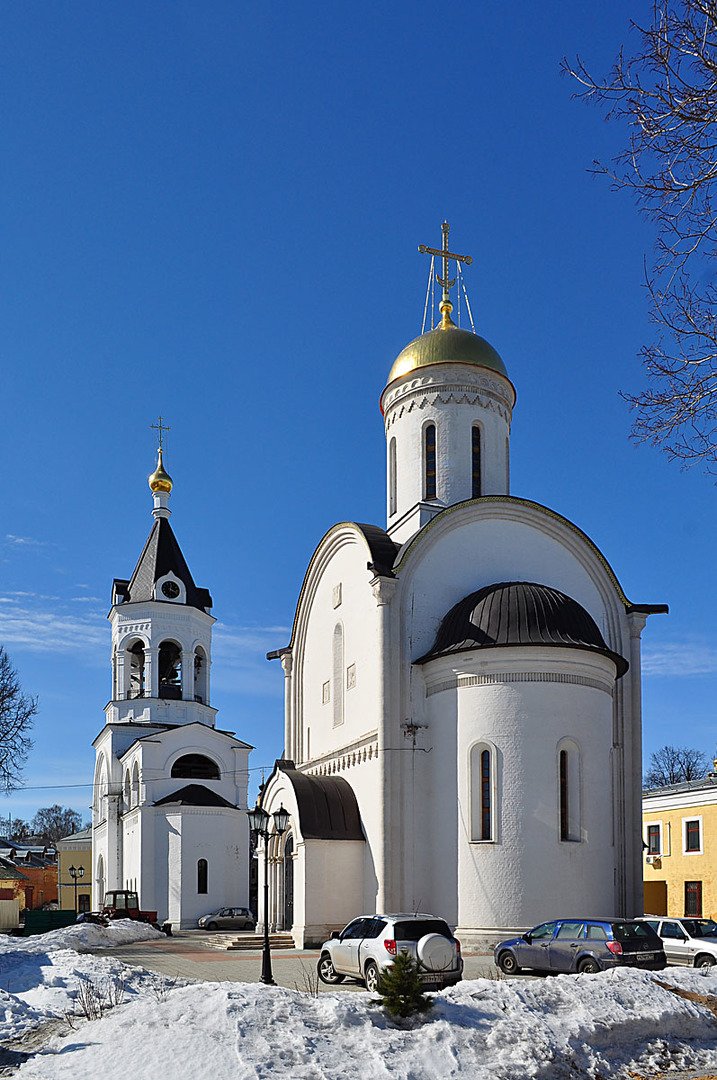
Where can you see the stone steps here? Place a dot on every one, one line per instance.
(248, 942)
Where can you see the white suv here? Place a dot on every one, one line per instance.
(370, 944)
(687, 941)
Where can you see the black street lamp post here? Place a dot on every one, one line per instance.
(75, 873)
(259, 821)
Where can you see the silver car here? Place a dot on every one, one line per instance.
(369, 945)
(228, 918)
(687, 941)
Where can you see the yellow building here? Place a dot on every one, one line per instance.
(75, 851)
(680, 848)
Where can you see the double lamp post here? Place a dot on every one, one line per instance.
(259, 823)
(75, 873)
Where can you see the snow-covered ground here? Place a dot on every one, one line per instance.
(615, 1024)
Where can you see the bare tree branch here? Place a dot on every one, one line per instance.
(16, 714)
(666, 95)
(675, 765)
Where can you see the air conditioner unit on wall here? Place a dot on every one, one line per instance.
(650, 859)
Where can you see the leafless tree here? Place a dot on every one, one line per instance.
(665, 91)
(19, 829)
(675, 765)
(52, 823)
(16, 714)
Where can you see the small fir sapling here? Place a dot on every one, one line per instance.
(401, 990)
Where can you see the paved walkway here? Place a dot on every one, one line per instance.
(186, 955)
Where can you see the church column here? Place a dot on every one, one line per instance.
(152, 673)
(383, 591)
(290, 749)
(187, 674)
(114, 841)
(119, 689)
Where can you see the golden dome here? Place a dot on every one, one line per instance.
(160, 480)
(446, 345)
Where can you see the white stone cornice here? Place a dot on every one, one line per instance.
(637, 621)
(353, 753)
(287, 662)
(457, 380)
(456, 682)
(383, 589)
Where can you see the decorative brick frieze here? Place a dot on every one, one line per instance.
(457, 682)
(355, 753)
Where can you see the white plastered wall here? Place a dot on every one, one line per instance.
(329, 875)
(486, 542)
(340, 563)
(523, 703)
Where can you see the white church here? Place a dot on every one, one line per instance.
(462, 687)
(170, 787)
(462, 698)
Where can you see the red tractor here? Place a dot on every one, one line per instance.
(124, 904)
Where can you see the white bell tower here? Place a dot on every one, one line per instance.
(161, 630)
(170, 790)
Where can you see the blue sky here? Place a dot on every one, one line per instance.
(211, 211)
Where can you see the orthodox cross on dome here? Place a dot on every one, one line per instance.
(161, 428)
(445, 282)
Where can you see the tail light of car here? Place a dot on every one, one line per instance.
(615, 947)
(390, 946)
(458, 946)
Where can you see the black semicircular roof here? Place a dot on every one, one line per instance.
(519, 613)
(327, 805)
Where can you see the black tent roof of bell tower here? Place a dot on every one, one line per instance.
(161, 555)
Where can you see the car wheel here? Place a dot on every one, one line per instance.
(508, 964)
(704, 960)
(589, 966)
(212, 926)
(326, 971)
(371, 977)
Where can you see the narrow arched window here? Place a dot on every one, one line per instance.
(392, 477)
(569, 808)
(201, 672)
(202, 877)
(476, 486)
(136, 670)
(482, 792)
(486, 796)
(564, 796)
(338, 673)
(429, 461)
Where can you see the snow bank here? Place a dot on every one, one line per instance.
(40, 975)
(82, 936)
(549, 1029)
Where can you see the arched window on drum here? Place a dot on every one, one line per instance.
(430, 471)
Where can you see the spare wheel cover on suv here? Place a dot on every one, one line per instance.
(436, 952)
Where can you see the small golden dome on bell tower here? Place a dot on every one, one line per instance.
(159, 479)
